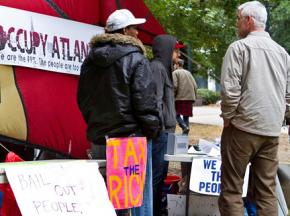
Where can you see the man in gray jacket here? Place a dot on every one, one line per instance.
(165, 53)
(255, 82)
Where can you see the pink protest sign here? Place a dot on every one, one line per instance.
(126, 171)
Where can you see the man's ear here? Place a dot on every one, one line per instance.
(251, 23)
(249, 19)
(125, 31)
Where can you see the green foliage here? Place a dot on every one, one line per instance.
(208, 96)
(149, 53)
(280, 23)
(208, 26)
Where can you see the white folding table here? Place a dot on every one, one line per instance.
(187, 158)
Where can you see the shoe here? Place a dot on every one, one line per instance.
(185, 131)
(196, 147)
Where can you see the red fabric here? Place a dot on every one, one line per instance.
(179, 45)
(94, 12)
(12, 157)
(9, 204)
(183, 108)
(53, 117)
(49, 99)
(86, 11)
(39, 6)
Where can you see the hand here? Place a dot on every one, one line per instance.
(152, 133)
(287, 121)
(156, 133)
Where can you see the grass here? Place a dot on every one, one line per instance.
(211, 132)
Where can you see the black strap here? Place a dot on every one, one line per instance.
(16, 142)
(118, 4)
(57, 9)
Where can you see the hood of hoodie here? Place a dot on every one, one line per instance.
(107, 48)
(163, 46)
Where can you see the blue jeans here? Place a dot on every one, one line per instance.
(147, 207)
(182, 120)
(159, 169)
(250, 208)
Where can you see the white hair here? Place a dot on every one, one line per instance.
(256, 10)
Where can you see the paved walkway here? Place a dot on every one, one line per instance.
(211, 115)
(206, 115)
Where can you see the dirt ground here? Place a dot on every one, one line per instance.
(211, 132)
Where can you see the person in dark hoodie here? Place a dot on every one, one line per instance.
(166, 52)
(117, 95)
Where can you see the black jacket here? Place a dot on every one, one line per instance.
(161, 65)
(116, 93)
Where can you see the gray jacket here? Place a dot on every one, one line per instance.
(161, 66)
(255, 81)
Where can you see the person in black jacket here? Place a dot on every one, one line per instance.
(116, 92)
(165, 52)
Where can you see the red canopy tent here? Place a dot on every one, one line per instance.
(92, 12)
(52, 118)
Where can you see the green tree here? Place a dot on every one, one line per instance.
(208, 26)
(279, 22)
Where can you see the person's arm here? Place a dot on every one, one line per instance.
(144, 99)
(194, 85)
(230, 84)
(157, 74)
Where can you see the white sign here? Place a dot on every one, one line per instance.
(39, 41)
(59, 189)
(206, 177)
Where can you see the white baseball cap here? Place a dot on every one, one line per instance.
(121, 19)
